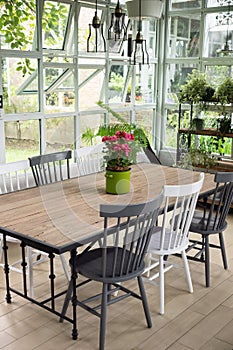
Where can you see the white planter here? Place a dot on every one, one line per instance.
(149, 8)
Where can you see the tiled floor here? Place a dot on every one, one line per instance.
(202, 320)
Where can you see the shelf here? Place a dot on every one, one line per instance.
(206, 132)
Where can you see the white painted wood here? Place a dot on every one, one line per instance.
(89, 159)
(172, 236)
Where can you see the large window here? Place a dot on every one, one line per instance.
(51, 85)
(196, 39)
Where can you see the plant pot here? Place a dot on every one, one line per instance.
(197, 124)
(117, 181)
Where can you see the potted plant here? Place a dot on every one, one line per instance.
(120, 152)
(110, 130)
(197, 158)
(196, 90)
(224, 93)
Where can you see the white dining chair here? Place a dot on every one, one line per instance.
(89, 159)
(16, 176)
(171, 237)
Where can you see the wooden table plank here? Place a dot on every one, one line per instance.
(66, 212)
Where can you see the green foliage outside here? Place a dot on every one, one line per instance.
(16, 25)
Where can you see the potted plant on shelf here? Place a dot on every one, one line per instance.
(197, 92)
(120, 152)
(224, 91)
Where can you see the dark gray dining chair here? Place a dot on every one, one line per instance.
(126, 234)
(49, 168)
(210, 219)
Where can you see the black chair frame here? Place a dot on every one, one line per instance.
(122, 260)
(47, 168)
(211, 219)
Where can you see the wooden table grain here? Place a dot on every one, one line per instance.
(65, 213)
(60, 217)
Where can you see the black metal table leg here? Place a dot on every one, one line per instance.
(24, 266)
(74, 296)
(6, 270)
(52, 277)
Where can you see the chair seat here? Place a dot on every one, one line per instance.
(155, 242)
(199, 224)
(90, 263)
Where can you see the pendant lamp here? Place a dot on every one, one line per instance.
(150, 9)
(140, 54)
(117, 29)
(99, 44)
(226, 50)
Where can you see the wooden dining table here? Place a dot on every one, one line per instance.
(63, 216)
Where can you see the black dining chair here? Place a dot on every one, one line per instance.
(49, 167)
(210, 219)
(126, 234)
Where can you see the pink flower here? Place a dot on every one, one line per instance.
(117, 147)
(126, 148)
(121, 134)
(113, 138)
(120, 150)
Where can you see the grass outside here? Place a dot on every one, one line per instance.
(22, 149)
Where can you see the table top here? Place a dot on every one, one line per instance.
(64, 214)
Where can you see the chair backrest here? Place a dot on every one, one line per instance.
(49, 168)
(127, 231)
(219, 203)
(89, 159)
(15, 176)
(176, 222)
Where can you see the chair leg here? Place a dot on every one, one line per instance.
(161, 284)
(67, 300)
(148, 263)
(144, 301)
(207, 261)
(1, 245)
(187, 271)
(103, 316)
(223, 251)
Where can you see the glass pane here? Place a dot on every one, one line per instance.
(20, 85)
(144, 84)
(54, 24)
(17, 25)
(59, 134)
(177, 76)
(219, 33)
(59, 87)
(89, 127)
(216, 74)
(179, 4)
(172, 127)
(22, 139)
(118, 86)
(144, 120)
(85, 29)
(184, 40)
(213, 3)
(91, 82)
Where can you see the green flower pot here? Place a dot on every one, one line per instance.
(117, 182)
